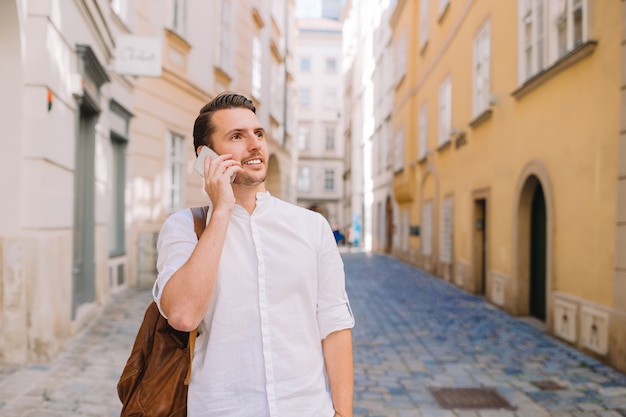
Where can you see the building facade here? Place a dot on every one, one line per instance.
(320, 142)
(384, 216)
(619, 278)
(63, 109)
(369, 90)
(506, 117)
(100, 99)
(204, 54)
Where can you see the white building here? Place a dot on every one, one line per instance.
(320, 142)
(384, 215)
(94, 157)
(368, 100)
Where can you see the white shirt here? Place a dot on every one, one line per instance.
(280, 291)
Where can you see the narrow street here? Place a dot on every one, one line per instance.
(414, 334)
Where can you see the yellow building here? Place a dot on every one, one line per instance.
(507, 120)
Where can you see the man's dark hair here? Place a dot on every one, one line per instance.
(204, 128)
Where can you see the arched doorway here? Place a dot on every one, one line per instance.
(533, 241)
(388, 225)
(538, 276)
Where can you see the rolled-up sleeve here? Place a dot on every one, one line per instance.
(176, 242)
(333, 307)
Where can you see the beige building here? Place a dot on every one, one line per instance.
(98, 107)
(506, 116)
(320, 142)
(204, 53)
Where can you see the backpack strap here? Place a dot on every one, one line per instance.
(199, 219)
(199, 224)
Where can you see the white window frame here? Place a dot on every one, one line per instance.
(117, 243)
(305, 64)
(427, 228)
(563, 15)
(178, 16)
(304, 134)
(422, 132)
(257, 67)
(329, 179)
(399, 148)
(225, 36)
(401, 54)
(540, 42)
(404, 229)
(424, 19)
(304, 97)
(175, 172)
(482, 70)
(445, 110)
(304, 179)
(331, 65)
(446, 231)
(330, 99)
(329, 136)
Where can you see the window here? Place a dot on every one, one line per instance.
(399, 159)
(175, 171)
(118, 203)
(120, 7)
(423, 23)
(303, 137)
(401, 57)
(119, 118)
(257, 66)
(329, 179)
(482, 57)
(427, 229)
(568, 23)
(331, 65)
(533, 36)
(446, 231)
(305, 97)
(404, 229)
(445, 111)
(305, 64)
(422, 132)
(330, 99)
(549, 29)
(330, 138)
(224, 34)
(304, 179)
(179, 19)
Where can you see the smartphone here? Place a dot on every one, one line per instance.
(199, 164)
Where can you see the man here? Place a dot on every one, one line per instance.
(265, 284)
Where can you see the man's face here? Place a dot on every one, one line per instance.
(239, 132)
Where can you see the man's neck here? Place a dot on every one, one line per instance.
(246, 197)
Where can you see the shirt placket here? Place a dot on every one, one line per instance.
(270, 382)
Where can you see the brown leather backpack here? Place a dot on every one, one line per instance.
(155, 380)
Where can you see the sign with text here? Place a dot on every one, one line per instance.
(138, 55)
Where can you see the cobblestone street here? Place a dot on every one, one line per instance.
(413, 333)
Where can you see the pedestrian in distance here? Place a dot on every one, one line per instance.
(264, 284)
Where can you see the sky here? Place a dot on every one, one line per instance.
(308, 8)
